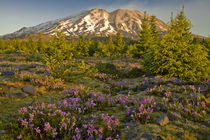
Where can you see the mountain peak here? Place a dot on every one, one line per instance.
(93, 22)
(98, 10)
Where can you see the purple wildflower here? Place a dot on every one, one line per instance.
(19, 137)
(37, 130)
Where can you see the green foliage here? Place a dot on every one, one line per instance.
(119, 43)
(57, 66)
(177, 56)
(145, 36)
(40, 44)
(87, 69)
(154, 33)
(148, 56)
(131, 50)
(106, 68)
(58, 59)
(194, 107)
(82, 46)
(25, 76)
(109, 49)
(34, 57)
(32, 45)
(207, 45)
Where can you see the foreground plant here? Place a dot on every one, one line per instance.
(194, 107)
(143, 108)
(51, 121)
(113, 87)
(49, 82)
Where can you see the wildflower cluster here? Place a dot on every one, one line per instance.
(165, 90)
(47, 121)
(110, 124)
(115, 86)
(193, 108)
(142, 110)
(49, 82)
(105, 77)
(26, 76)
(122, 100)
(89, 100)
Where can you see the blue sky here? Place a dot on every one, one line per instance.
(15, 14)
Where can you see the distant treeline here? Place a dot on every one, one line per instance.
(89, 46)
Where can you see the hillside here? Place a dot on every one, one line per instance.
(97, 22)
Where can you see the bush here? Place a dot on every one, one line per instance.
(87, 69)
(58, 65)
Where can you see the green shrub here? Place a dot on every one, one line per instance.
(87, 69)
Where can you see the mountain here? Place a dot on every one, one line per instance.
(97, 22)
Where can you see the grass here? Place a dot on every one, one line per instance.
(8, 105)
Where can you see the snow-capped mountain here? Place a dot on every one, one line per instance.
(92, 22)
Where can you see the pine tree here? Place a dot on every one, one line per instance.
(31, 45)
(206, 43)
(119, 43)
(148, 56)
(177, 56)
(145, 36)
(2, 45)
(109, 50)
(40, 43)
(82, 47)
(154, 33)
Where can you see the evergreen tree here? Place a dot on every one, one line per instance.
(31, 45)
(119, 43)
(177, 56)
(109, 50)
(89, 45)
(154, 33)
(145, 36)
(130, 50)
(100, 47)
(82, 47)
(148, 56)
(206, 43)
(2, 45)
(40, 44)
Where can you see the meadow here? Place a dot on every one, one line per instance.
(99, 105)
(112, 89)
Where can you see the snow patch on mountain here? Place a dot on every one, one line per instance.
(95, 21)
